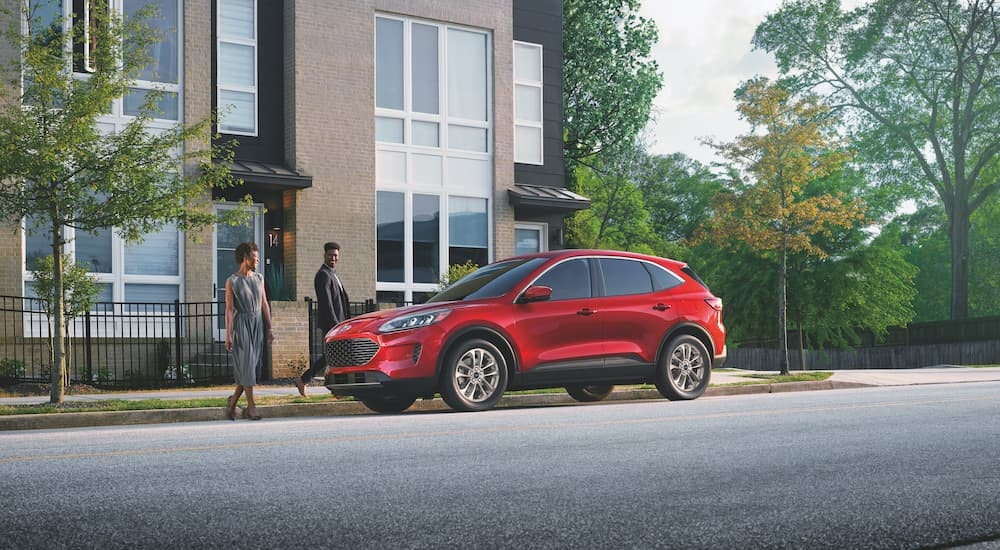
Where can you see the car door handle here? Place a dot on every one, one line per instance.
(661, 307)
(586, 311)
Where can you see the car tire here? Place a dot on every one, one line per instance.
(474, 376)
(388, 403)
(589, 393)
(684, 369)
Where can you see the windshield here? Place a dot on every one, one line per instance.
(489, 281)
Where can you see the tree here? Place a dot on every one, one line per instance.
(57, 165)
(920, 83)
(609, 78)
(770, 212)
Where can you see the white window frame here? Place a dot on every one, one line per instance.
(115, 121)
(443, 191)
(541, 228)
(252, 89)
(540, 123)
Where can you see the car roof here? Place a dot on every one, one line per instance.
(578, 252)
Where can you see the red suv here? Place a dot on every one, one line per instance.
(579, 319)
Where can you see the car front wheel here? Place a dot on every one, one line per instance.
(590, 393)
(474, 376)
(684, 369)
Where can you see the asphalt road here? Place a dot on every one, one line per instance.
(895, 467)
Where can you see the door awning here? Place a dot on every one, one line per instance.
(542, 196)
(276, 177)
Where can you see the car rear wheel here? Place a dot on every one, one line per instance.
(388, 403)
(474, 376)
(684, 370)
(589, 393)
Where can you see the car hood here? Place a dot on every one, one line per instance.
(371, 321)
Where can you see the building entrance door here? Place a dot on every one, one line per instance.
(227, 237)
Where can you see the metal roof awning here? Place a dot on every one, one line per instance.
(267, 175)
(541, 196)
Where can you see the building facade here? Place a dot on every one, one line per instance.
(416, 133)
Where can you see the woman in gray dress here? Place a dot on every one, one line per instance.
(245, 327)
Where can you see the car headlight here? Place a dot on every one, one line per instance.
(414, 320)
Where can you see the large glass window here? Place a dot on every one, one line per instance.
(237, 66)
(152, 268)
(390, 215)
(468, 227)
(434, 160)
(530, 238)
(528, 88)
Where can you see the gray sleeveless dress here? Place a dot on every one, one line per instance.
(248, 327)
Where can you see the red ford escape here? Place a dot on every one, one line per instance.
(580, 319)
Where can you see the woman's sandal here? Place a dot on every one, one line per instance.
(246, 414)
(231, 408)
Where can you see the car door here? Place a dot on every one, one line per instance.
(636, 311)
(562, 334)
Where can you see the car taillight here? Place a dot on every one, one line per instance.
(714, 303)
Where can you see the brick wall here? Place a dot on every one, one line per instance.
(290, 325)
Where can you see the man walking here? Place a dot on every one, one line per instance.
(332, 304)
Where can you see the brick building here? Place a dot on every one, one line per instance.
(416, 133)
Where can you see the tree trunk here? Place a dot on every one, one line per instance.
(783, 307)
(58, 322)
(959, 225)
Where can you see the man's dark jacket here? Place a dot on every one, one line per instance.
(332, 301)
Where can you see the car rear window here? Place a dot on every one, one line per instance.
(690, 273)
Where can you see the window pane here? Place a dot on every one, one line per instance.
(467, 74)
(163, 53)
(393, 297)
(425, 133)
(151, 293)
(527, 241)
(236, 19)
(527, 62)
(426, 238)
(425, 68)
(622, 277)
(528, 103)
(467, 222)
(467, 138)
(528, 144)
(236, 64)
(389, 234)
(662, 279)
(158, 254)
(236, 111)
(37, 242)
(45, 19)
(389, 130)
(94, 250)
(568, 280)
(166, 106)
(388, 63)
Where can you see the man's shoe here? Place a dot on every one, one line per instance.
(301, 386)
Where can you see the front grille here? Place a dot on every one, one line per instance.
(350, 353)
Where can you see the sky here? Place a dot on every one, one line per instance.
(704, 53)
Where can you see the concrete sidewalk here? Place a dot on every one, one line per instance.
(725, 382)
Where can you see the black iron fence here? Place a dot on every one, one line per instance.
(128, 345)
(117, 344)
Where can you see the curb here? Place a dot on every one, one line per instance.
(350, 408)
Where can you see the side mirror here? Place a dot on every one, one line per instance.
(536, 294)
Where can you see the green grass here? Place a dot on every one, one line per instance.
(808, 376)
(106, 405)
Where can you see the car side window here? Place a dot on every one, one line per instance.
(568, 280)
(662, 278)
(623, 277)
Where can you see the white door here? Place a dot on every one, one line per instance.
(227, 237)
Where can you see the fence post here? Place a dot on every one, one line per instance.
(177, 342)
(312, 325)
(369, 305)
(86, 347)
